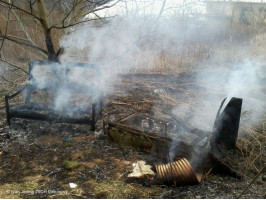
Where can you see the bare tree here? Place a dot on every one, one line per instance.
(38, 24)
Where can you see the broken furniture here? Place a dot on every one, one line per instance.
(172, 140)
(150, 134)
(226, 125)
(71, 94)
(145, 132)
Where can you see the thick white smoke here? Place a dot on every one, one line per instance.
(242, 80)
(134, 42)
(245, 79)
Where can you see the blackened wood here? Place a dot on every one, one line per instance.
(101, 106)
(219, 112)
(49, 117)
(10, 96)
(28, 94)
(93, 112)
(219, 166)
(151, 123)
(7, 110)
(226, 125)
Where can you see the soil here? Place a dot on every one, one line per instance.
(39, 159)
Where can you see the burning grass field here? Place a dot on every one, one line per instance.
(40, 159)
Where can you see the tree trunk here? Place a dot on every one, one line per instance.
(47, 32)
(52, 56)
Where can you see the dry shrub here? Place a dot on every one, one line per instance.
(232, 44)
(252, 144)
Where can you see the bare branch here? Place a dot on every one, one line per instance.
(14, 65)
(6, 79)
(80, 22)
(68, 14)
(16, 37)
(161, 10)
(52, 9)
(24, 44)
(7, 23)
(16, 7)
(24, 30)
(87, 20)
(100, 8)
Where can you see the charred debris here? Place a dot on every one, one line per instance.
(185, 158)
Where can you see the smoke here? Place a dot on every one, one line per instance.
(46, 76)
(135, 42)
(66, 83)
(62, 99)
(131, 43)
(244, 80)
(112, 48)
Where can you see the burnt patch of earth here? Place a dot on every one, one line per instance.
(39, 159)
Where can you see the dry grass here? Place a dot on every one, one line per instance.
(15, 190)
(252, 144)
(192, 56)
(117, 189)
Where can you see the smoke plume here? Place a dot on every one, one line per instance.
(134, 42)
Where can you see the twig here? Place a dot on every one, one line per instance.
(252, 181)
(208, 172)
(14, 65)
(6, 79)
(24, 44)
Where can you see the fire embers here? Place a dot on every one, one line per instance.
(178, 173)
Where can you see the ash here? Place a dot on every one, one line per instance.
(37, 155)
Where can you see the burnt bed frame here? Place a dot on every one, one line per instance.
(27, 111)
